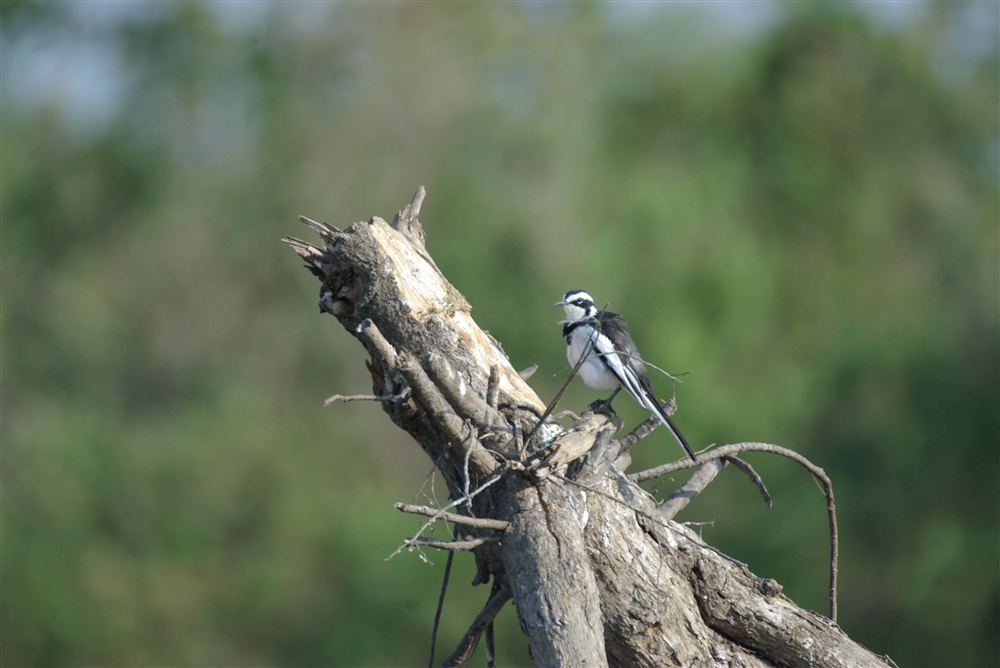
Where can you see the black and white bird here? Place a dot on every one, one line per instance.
(612, 359)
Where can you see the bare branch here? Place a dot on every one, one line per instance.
(454, 503)
(484, 619)
(528, 371)
(463, 398)
(817, 473)
(453, 545)
(404, 218)
(325, 230)
(371, 335)
(752, 474)
(622, 353)
(440, 605)
(705, 474)
(417, 202)
(697, 483)
(314, 257)
(367, 397)
(645, 428)
(461, 435)
(454, 518)
(722, 451)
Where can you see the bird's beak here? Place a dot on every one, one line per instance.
(562, 302)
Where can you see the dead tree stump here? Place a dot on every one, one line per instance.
(598, 573)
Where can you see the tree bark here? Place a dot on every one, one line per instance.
(599, 576)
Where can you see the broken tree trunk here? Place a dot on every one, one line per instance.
(598, 574)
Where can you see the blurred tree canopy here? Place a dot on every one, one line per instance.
(795, 203)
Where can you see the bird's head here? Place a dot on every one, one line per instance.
(578, 305)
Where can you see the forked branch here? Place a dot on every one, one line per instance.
(734, 449)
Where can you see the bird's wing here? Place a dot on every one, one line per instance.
(628, 366)
(621, 356)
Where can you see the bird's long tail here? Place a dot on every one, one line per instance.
(665, 419)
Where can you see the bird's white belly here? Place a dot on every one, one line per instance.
(593, 371)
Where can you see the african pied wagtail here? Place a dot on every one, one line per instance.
(613, 361)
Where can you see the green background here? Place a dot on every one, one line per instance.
(796, 204)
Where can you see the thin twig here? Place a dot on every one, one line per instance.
(440, 606)
(489, 613)
(621, 353)
(454, 503)
(714, 453)
(323, 229)
(491, 648)
(452, 545)
(367, 397)
(752, 474)
(480, 522)
(429, 478)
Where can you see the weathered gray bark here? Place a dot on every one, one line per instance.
(598, 575)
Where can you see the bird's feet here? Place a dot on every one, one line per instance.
(603, 406)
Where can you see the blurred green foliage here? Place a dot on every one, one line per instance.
(803, 216)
